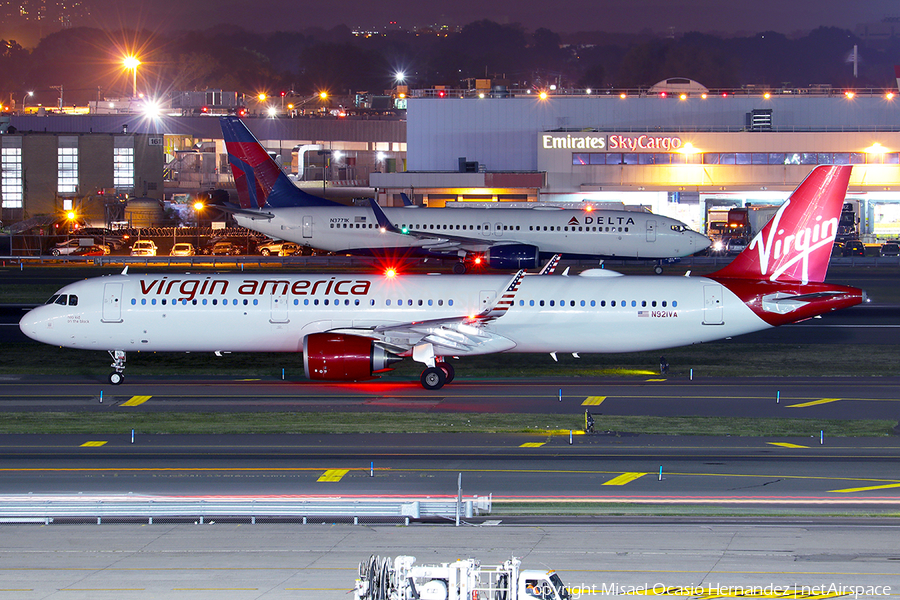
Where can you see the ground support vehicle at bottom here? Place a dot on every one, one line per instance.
(466, 579)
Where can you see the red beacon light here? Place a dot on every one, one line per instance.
(589, 208)
(390, 272)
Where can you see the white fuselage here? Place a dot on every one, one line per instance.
(596, 312)
(600, 233)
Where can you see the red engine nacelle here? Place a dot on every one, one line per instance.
(341, 357)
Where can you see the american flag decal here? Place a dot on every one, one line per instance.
(643, 313)
(508, 297)
(551, 265)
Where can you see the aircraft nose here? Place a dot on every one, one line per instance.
(700, 241)
(33, 325)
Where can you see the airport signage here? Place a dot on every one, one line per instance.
(597, 142)
(573, 141)
(636, 143)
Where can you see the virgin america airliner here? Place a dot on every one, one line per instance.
(352, 327)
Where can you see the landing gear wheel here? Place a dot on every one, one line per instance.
(658, 270)
(433, 378)
(459, 268)
(449, 372)
(116, 378)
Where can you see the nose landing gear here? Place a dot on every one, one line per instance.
(118, 375)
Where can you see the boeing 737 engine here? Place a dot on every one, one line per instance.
(513, 256)
(341, 357)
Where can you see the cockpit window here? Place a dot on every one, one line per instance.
(52, 299)
(679, 228)
(73, 300)
(62, 299)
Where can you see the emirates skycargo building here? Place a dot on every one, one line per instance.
(677, 156)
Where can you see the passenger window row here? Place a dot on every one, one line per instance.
(432, 227)
(72, 300)
(195, 302)
(602, 303)
(573, 228)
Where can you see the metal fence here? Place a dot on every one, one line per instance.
(19, 509)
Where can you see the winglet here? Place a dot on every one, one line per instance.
(551, 265)
(506, 299)
(382, 219)
(406, 200)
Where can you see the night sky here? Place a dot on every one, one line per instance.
(627, 16)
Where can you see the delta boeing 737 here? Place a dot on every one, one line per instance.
(505, 238)
(352, 327)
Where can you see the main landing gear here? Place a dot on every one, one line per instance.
(437, 371)
(434, 378)
(117, 376)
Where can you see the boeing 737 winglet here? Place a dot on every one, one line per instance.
(508, 238)
(352, 327)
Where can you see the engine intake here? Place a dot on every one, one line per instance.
(513, 256)
(342, 357)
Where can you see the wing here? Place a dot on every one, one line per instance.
(458, 335)
(246, 212)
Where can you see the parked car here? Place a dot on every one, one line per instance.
(289, 249)
(225, 249)
(70, 246)
(270, 247)
(182, 249)
(853, 248)
(890, 249)
(105, 236)
(143, 248)
(95, 250)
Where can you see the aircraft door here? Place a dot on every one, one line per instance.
(485, 229)
(712, 305)
(498, 229)
(306, 226)
(112, 303)
(651, 230)
(279, 312)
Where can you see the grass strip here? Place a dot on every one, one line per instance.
(160, 423)
(726, 358)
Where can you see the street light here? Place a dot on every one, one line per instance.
(131, 62)
(26, 96)
(198, 208)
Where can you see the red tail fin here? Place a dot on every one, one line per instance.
(796, 244)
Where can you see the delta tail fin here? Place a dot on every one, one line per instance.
(796, 244)
(259, 180)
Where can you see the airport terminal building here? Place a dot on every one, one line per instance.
(678, 157)
(675, 156)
